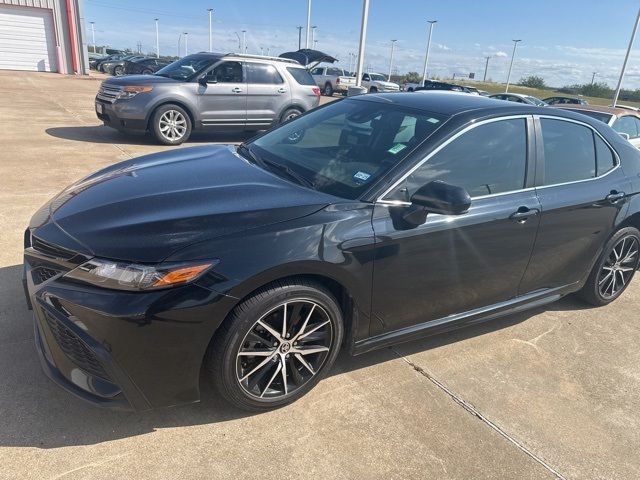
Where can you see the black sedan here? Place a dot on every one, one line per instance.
(369, 221)
(116, 67)
(144, 66)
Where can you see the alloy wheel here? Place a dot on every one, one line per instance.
(173, 125)
(290, 116)
(619, 267)
(284, 349)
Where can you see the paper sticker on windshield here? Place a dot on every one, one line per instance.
(361, 177)
(397, 148)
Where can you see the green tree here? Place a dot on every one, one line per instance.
(532, 81)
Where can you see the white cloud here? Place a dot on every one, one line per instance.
(501, 54)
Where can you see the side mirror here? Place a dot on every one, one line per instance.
(440, 197)
(203, 81)
(626, 136)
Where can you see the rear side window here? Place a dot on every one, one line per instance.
(302, 76)
(263, 73)
(569, 152)
(626, 125)
(605, 160)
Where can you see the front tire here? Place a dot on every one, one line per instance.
(276, 345)
(118, 71)
(171, 124)
(615, 268)
(373, 90)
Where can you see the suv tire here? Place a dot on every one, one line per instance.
(171, 124)
(290, 113)
(118, 71)
(257, 382)
(328, 90)
(373, 90)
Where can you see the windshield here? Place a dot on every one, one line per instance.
(603, 117)
(377, 77)
(536, 101)
(186, 67)
(343, 148)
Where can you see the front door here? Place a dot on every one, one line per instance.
(223, 102)
(267, 94)
(454, 264)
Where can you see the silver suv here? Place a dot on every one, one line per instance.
(208, 91)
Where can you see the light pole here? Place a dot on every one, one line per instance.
(393, 42)
(486, 68)
(261, 50)
(157, 40)
(315, 44)
(244, 41)
(626, 58)
(239, 42)
(593, 77)
(513, 55)
(268, 51)
(363, 38)
(299, 36)
(210, 10)
(178, 49)
(426, 56)
(93, 35)
(186, 43)
(306, 43)
(313, 35)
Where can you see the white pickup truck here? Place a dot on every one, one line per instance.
(377, 83)
(333, 79)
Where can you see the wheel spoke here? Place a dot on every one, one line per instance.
(258, 367)
(284, 321)
(606, 277)
(295, 374)
(269, 329)
(311, 349)
(305, 363)
(320, 325)
(255, 353)
(278, 368)
(284, 375)
(622, 279)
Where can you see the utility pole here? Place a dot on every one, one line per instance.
(486, 68)
(306, 44)
(299, 27)
(363, 38)
(393, 42)
(268, 51)
(186, 43)
(593, 77)
(178, 49)
(426, 56)
(157, 40)
(210, 10)
(244, 41)
(315, 44)
(239, 42)
(313, 35)
(626, 58)
(93, 35)
(513, 55)
(261, 50)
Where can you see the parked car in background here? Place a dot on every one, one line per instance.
(519, 98)
(377, 83)
(144, 66)
(116, 67)
(100, 64)
(371, 221)
(94, 58)
(333, 79)
(561, 100)
(444, 86)
(624, 121)
(208, 91)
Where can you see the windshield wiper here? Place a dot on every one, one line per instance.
(248, 154)
(267, 164)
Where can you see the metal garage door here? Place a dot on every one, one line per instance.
(27, 39)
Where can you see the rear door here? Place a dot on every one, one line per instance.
(580, 188)
(267, 94)
(223, 102)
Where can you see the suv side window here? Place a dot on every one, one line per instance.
(263, 73)
(317, 71)
(226, 72)
(488, 159)
(569, 151)
(626, 125)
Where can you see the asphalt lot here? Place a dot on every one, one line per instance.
(553, 392)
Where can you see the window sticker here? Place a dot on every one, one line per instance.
(361, 177)
(398, 147)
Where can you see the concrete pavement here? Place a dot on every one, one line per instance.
(548, 393)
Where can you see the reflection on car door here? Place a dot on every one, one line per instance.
(580, 186)
(455, 264)
(223, 102)
(267, 94)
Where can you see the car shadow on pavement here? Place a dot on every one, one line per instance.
(36, 413)
(102, 134)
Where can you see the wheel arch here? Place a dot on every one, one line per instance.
(171, 101)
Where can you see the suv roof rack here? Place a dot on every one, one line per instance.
(262, 57)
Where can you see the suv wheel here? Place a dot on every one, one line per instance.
(146, 71)
(328, 90)
(171, 124)
(615, 268)
(118, 70)
(289, 114)
(276, 345)
(373, 90)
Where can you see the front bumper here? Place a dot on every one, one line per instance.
(121, 350)
(122, 115)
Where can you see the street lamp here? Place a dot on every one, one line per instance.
(426, 56)
(363, 37)
(486, 68)
(393, 42)
(186, 43)
(157, 40)
(93, 35)
(299, 27)
(513, 55)
(306, 44)
(313, 35)
(626, 58)
(210, 10)
(178, 48)
(593, 77)
(244, 41)
(239, 42)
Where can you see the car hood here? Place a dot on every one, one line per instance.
(139, 80)
(145, 209)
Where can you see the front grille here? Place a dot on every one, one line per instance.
(42, 274)
(108, 93)
(51, 250)
(75, 349)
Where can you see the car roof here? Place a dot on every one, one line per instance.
(618, 112)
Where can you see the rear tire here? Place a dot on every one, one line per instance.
(614, 269)
(290, 113)
(118, 71)
(146, 71)
(373, 90)
(280, 372)
(328, 90)
(171, 124)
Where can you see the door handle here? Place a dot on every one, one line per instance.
(236, 90)
(614, 197)
(523, 213)
(282, 90)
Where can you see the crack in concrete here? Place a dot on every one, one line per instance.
(474, 411)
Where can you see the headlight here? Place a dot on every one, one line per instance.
(133, 90)
(131, 276)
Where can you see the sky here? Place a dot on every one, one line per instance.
(563, 41)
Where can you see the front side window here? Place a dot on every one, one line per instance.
(186, 67)
(488, 159)
(263, 73)
(343, 148)
(626, 125)
(569, 151)
(226, 72)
